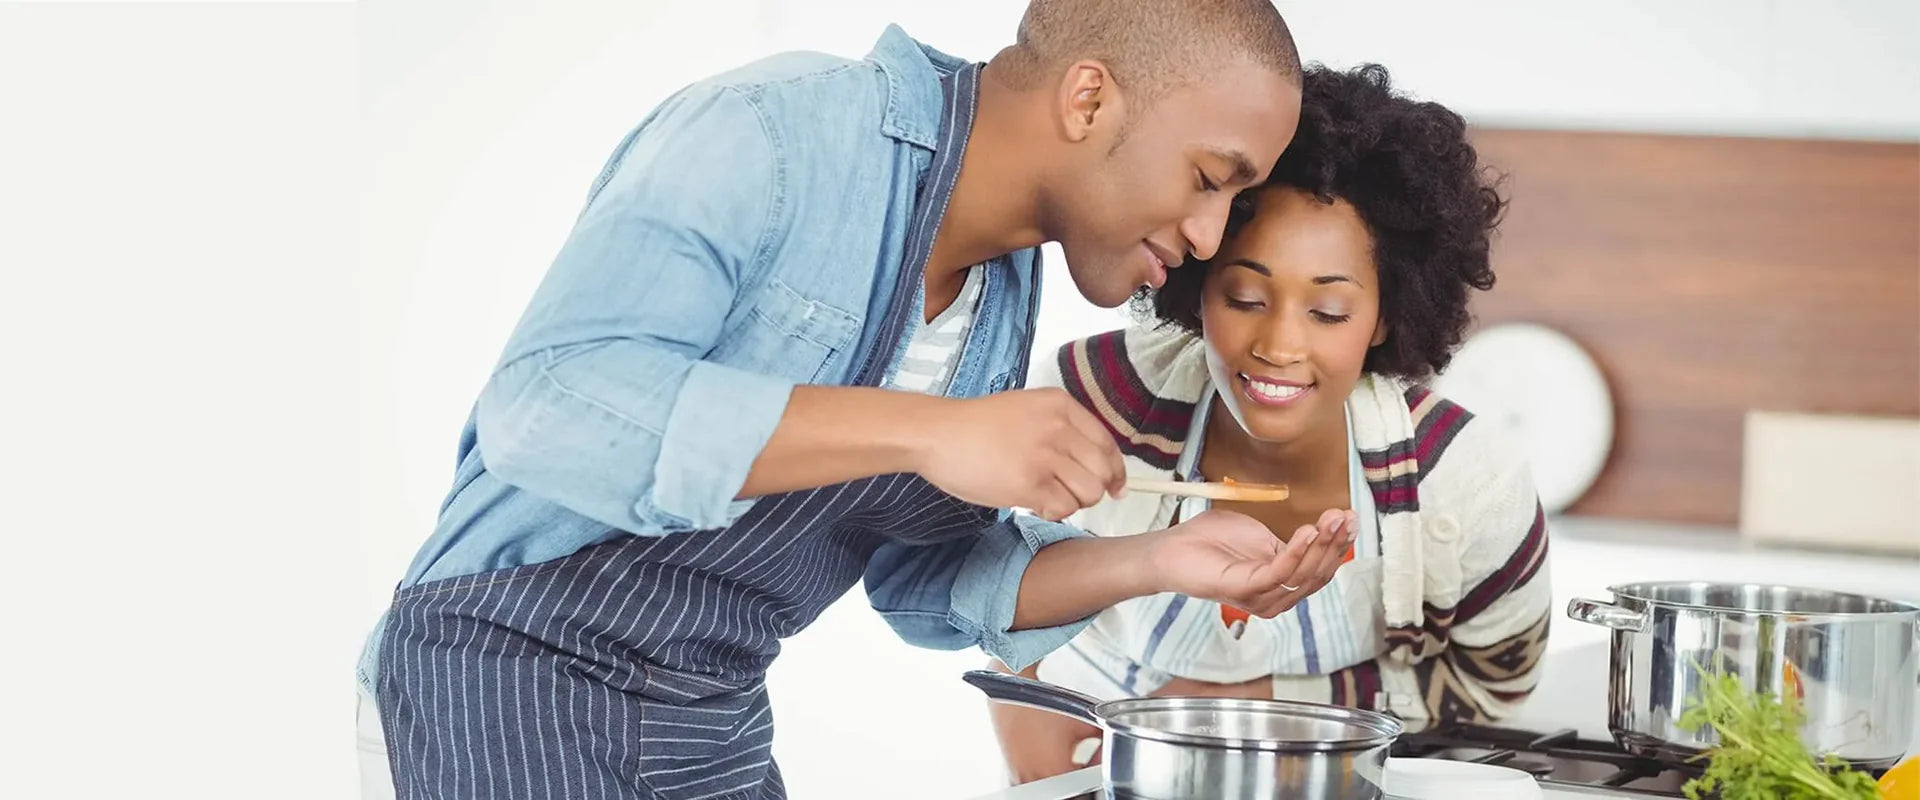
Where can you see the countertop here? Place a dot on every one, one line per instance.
(1075, 784)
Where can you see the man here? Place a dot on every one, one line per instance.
(773, 356)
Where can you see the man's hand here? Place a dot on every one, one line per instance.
(1035, 449)
(1233, 559)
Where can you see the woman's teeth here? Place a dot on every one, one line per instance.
(1273, 391)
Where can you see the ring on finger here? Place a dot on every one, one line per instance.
(1290, 588)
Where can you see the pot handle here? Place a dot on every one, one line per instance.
(1019, 691)
(1595, 612)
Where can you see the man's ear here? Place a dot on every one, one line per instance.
(1089, 102)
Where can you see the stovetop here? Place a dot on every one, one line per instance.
(1556, 758)
(1565, 764)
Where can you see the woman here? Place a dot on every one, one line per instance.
(1293, 357)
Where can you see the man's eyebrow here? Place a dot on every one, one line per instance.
(1243, 171)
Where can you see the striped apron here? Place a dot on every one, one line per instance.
(636, 668)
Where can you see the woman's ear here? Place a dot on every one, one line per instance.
(1379, 334)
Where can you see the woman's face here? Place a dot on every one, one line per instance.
(1289, 310)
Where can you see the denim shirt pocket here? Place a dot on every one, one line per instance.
(787, 334)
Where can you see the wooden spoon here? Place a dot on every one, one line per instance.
(1242, 492)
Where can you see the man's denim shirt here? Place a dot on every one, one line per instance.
(746, 237)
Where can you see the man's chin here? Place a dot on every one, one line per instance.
(1101, 293)
(1115, 301)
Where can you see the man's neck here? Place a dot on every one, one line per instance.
(995, 207)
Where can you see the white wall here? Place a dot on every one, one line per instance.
(215, 468)
(1796, 68)
(1791, 68)
(177, 420)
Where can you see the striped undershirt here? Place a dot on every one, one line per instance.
(935, 346)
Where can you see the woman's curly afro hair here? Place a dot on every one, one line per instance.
(1417, 183)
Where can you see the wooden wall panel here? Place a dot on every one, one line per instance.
(1708, 276)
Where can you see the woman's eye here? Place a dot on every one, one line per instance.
(1331, 319)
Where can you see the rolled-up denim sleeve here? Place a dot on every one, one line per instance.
(602, 401)
(955, 595)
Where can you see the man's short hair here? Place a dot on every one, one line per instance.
(1151, 46)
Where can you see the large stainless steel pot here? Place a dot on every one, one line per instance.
(1853, 660)
(1178, 748)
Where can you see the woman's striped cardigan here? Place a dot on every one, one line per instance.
(1463, 539)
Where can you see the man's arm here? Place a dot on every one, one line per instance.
(1028, 449)
(834, 434)
(1218, 557)
(602, 401)
(1024, 587)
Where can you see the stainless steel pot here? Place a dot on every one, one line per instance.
(1853, 660)
(1178, 748)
